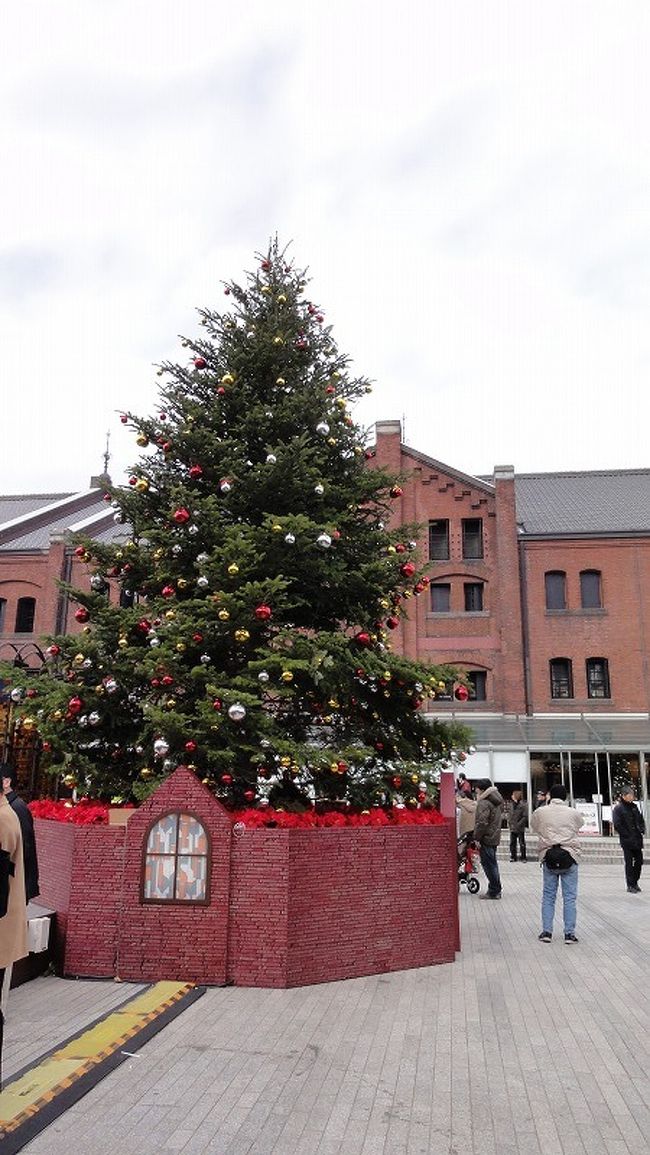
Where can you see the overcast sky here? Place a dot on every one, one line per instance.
(467, 181)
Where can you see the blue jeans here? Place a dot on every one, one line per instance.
(490, 865)
(569, 882)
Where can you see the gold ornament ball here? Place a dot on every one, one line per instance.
(57, 716)
(333, 703)
(282, 300)
(70, 780)
(146, 772)
(241, 635)
(227, 379)
(223, 615)
(280, 381)
(285, 761)
(415, 778)
(385, 604)
(265, 289)
(78, 659)
(180, 647)
(334, 767)
(233, 569)
(170, 704)
(142, 485)
(278, 340)
(142, 440)
(287, 676)
(340, 401)
(391, 549)
(122, 643)
(170, 615)
(182, 583)
(276, 528)
(158, 554)
(357, 453)
(332, 441)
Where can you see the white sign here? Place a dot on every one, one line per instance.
(589, 811)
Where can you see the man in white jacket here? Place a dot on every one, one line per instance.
(557, 826)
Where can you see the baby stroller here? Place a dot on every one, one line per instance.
(468, 864)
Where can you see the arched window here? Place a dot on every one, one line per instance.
(591, 597)
(176, 860)
(555, 588)
(598, 678)
(25, 611)
(561, 678)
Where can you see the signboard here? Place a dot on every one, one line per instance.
(591, 825)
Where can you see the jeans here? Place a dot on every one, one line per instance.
(569, 882)
(633, 863)
(491, 867)
(514, 839)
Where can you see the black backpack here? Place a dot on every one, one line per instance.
(558, 859)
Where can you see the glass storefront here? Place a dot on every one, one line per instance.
(590, 777)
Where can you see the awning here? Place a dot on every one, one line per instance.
(617, 733)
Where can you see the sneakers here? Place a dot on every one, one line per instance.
(545, 936)
(570, 938)
(488, 895)
(634, 890)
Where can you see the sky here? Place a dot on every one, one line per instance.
(467, 182)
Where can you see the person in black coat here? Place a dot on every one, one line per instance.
(24, 815)
(630, 827)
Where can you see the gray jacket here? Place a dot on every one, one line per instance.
(489, 816)
(518, 816)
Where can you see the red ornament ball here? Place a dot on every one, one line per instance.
(82, 614)
(217, 704)
(263, 613)
(396, 491)
(249, 795)
(123, 418)
(195, 471)
(461, 693)
(362, 638)
(190, 746)
(200, 362)
(392, 623)
(181, 515)
(226, 779)
(168, 591)
(408, 569)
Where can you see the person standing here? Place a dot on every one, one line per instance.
(630, 827)
(24, 815)
(13, 906)
(487, 832)
(557, 826)
(517, 821)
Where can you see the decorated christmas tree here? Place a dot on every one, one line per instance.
(242, 627)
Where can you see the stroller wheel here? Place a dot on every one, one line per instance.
(473, 885)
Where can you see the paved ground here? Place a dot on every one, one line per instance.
(516, 1049)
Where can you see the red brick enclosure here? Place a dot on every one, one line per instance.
(286, 907)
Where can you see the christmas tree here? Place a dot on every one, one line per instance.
(243, 626)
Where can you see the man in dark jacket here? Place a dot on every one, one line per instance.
(24, 816)
(487, 832)
(517, 821)
(630, 827)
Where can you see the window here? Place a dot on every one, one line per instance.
(590, 590)
(598, 678)
(473, 597)
(176, 860)
(439, 540)
(440, 598)
(25, 611)
(472, 537)
(561, 678)
(3, 611)
(555, 586)
(477, 685)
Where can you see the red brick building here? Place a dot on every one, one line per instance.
(540, 593)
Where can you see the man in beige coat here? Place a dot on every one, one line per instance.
(13, 908)
(558, 847)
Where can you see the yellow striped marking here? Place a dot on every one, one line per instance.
(24, 1097)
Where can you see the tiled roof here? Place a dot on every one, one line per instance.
(22, 503)
(605, 501)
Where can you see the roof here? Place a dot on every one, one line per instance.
(546, 733)
(606, 501)
(19, 504)
(29, 522)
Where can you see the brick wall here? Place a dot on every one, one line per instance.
(287, 908)
(619, 632)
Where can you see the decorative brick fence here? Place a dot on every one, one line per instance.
(269, 907)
